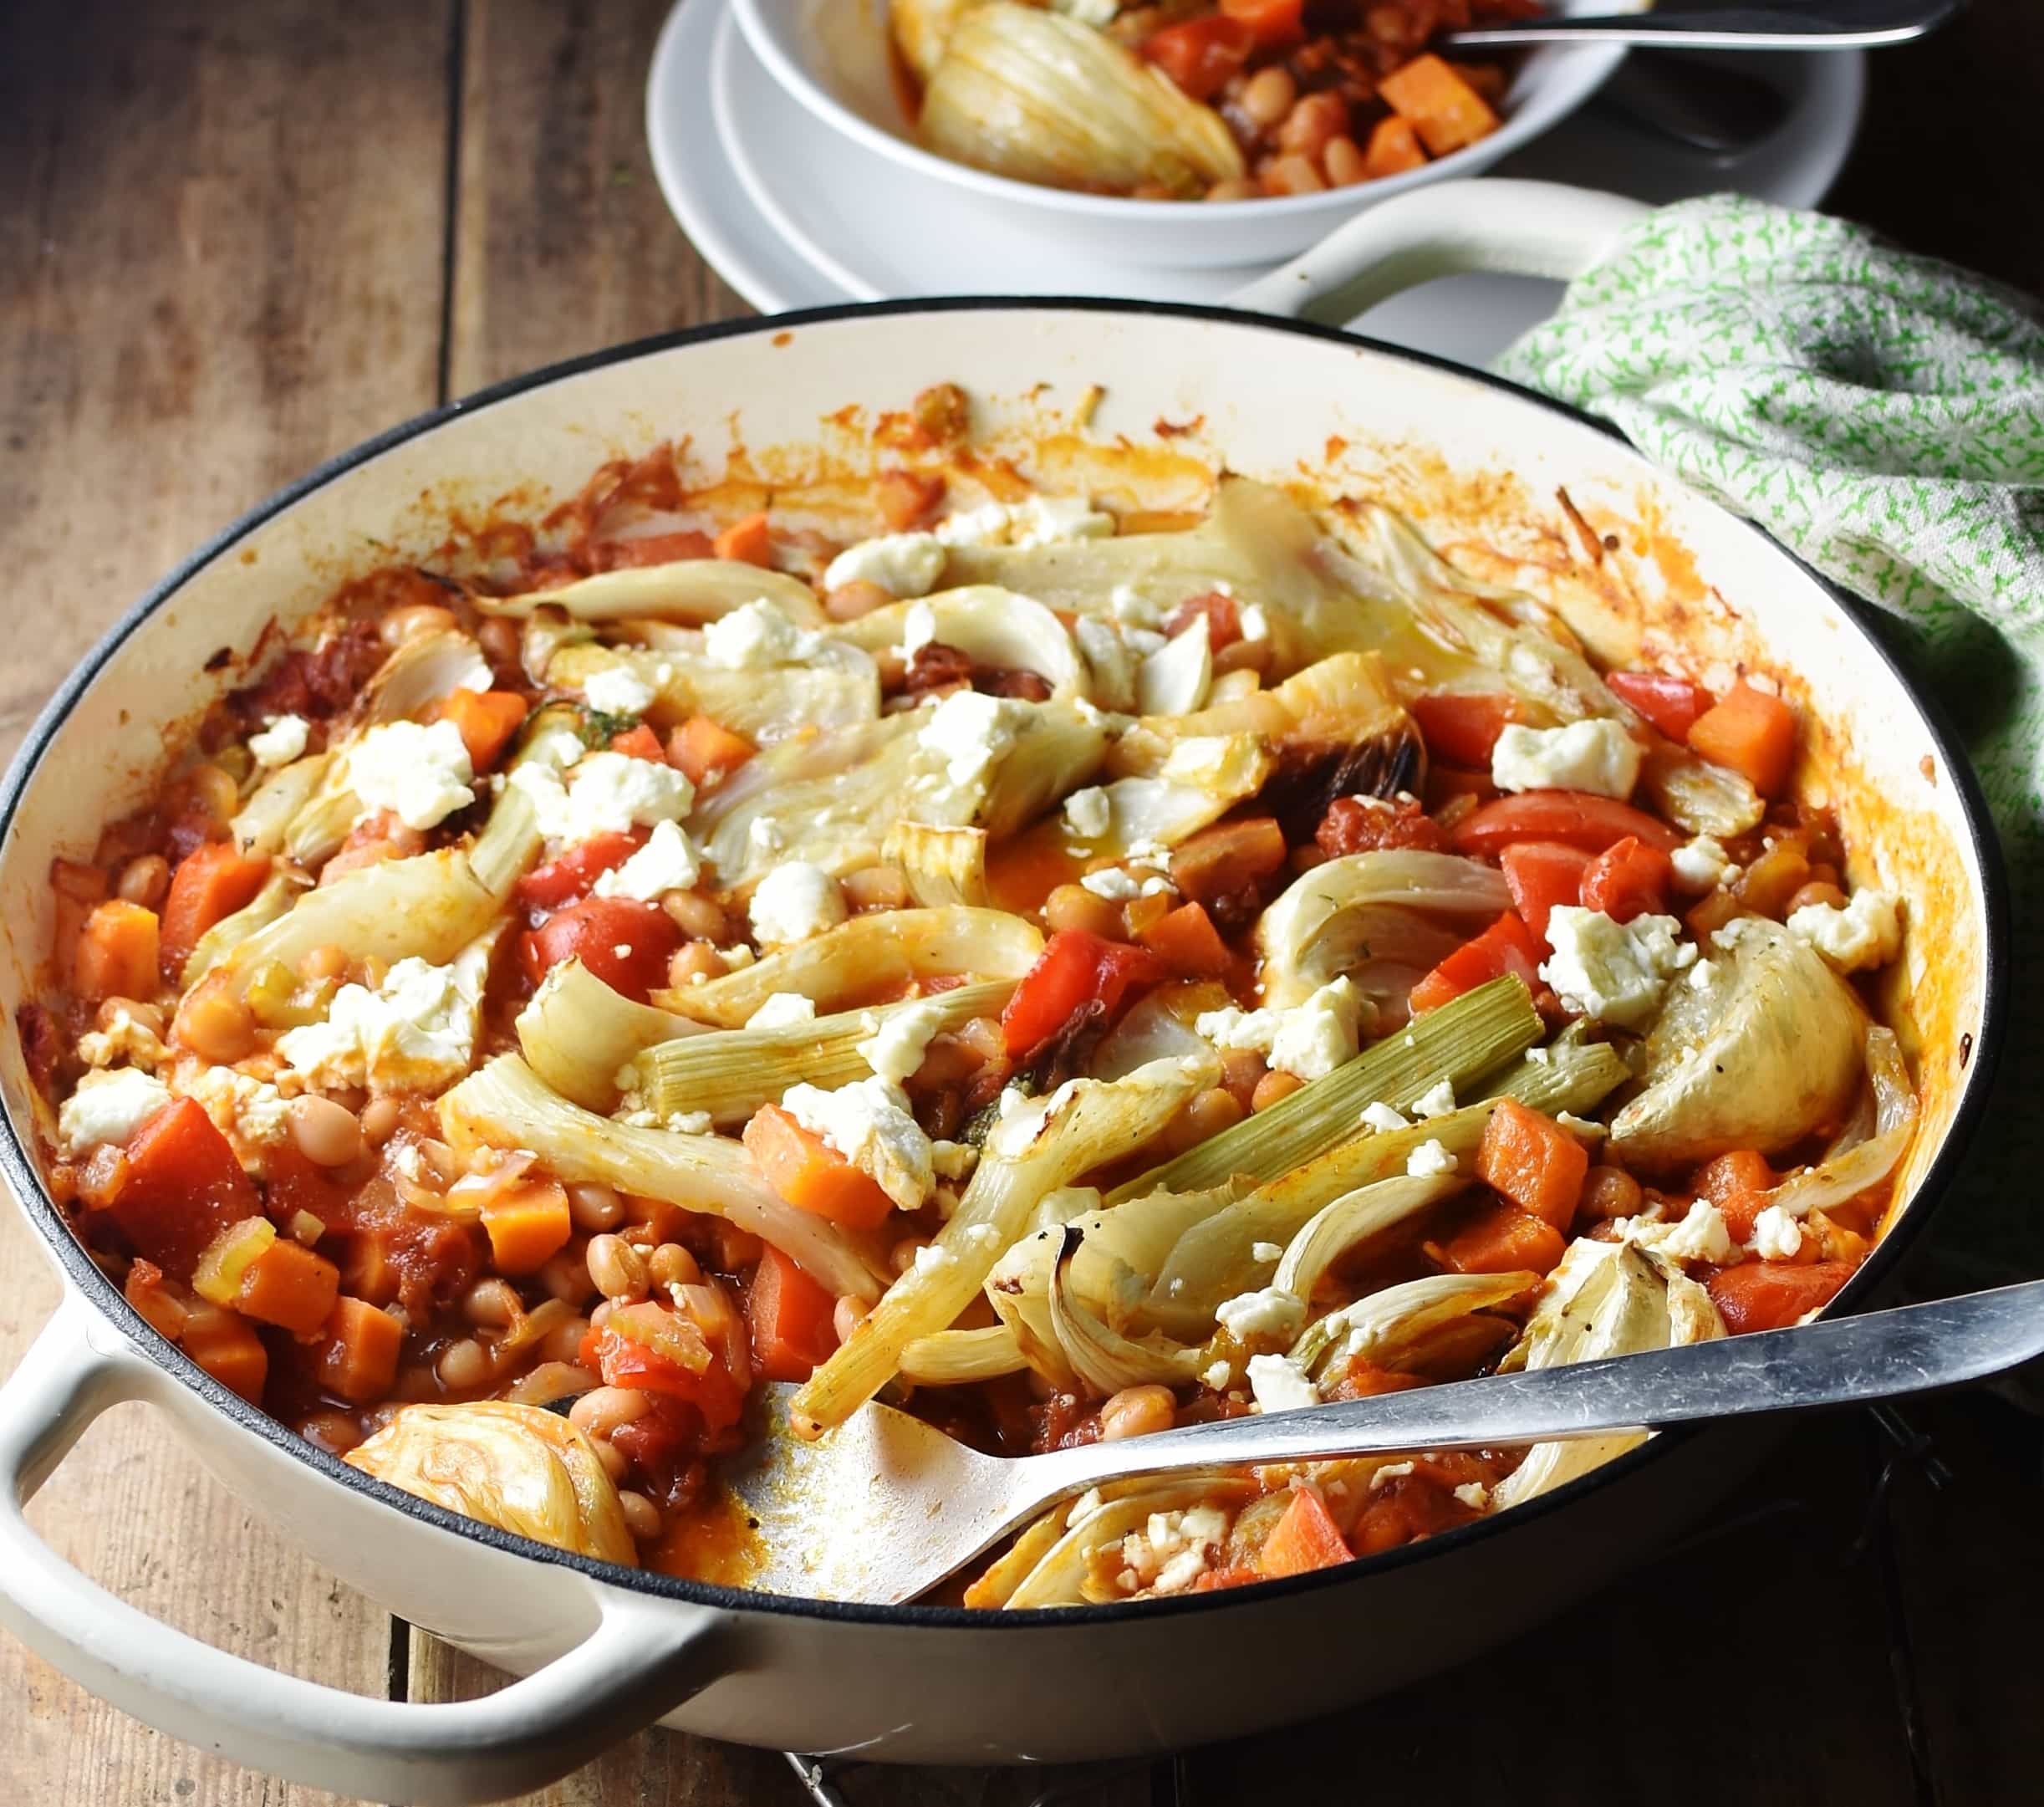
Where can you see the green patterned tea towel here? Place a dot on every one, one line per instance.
(1882, 415)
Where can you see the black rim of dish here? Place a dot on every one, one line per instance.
(19, 1164)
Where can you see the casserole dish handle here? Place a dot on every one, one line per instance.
(1513, 228)
(642, 1659)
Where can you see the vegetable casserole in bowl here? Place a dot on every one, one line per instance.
(1294, 874)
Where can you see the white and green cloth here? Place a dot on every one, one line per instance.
(1882, 415)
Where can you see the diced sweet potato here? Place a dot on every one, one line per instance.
(1444, 110)
(1533, 1162)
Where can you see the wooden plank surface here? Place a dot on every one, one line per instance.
(238, 237)
(205, 289)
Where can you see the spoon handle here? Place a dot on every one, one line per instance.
(1880, 1354)
(1843, 25)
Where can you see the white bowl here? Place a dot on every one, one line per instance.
(832, 55)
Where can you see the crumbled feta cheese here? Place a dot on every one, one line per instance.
(1702, 975)
(1437, 1100)
(667, 862)
(1596, 755)
(1391, 1471)
(1315, 1037)
(930, 1257)
(689, 1123)
(895, 1049)
(1382, 1118)
(764, 835)
(918, 628)
(869, 1123)
(755, 636)
(1216, 1375)
(109, 1107)
(1866, 932)
(1114, 884)
(782, 1011)
(1701, 865)
(1269, 1312)
(618, 690)
(243, 1109)
(1430, 1159)
(1089, 813)
(607, 793)
(902, 564)
(415, 1032)
(421, 774)
(972, 731)
(1701, 1236)
(1159, 886)
(283, 739)
(953, 1160)
(1097, 14)
(794, 902)
(1174, 1549)
(1777, 1235)
(1587, 1127)
(1175, 679)
(1614, 972)
(1265, 1251)
(1233, 1030)
(1475, 1495)
(123, 1040)
(1279, 1384)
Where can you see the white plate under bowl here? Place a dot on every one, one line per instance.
(791, 215)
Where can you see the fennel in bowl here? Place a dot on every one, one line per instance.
(1044, 116)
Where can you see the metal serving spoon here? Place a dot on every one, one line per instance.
(885, 1506)
(1826, 25)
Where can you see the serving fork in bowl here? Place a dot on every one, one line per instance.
(886, 1507)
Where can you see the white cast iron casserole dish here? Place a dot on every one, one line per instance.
(607, 1650)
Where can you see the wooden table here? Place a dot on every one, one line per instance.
(235, 239)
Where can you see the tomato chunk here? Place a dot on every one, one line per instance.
(1271, 22)
(1073, 970)
(625, 1361)
(1580, 818)
(1752, 732)
(1461, 727)
(182, 1186)
(792, 1318)
(570, 875)
(1304, 1539)
(1540, 874)
(1670, 703)
(1504, 946)
(1201, 54)
(1628, 879)
(625, 943)
(1771, 1295)
(1533, 1162)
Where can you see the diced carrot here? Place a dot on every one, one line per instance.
(1771, 1295)
(1540, 874)
(212, 881)
(358, 1359)
(639, 742)
(1304, 1539)
(1445, 111)
(1502, 1240)
(290, 1287)
(227, 1346)
(1672, 704)
(1738, 1184)
(1578, 817)
(811, 1174)
(486, 720)
(1628, 879)
(1186, 941)
(1073, 970)
(164, 1311)
(1214, 1580)
(1271, 22)
(1393, 148)
(118, 950)
(1752, 732)
(747, 542)
(1462, 726)
(1229, 858)
(1533, 1162)
(1201, 54)
(705, 750)
(792, 1318)
(527, 1225)
(182, 1186)
(1504, 946)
